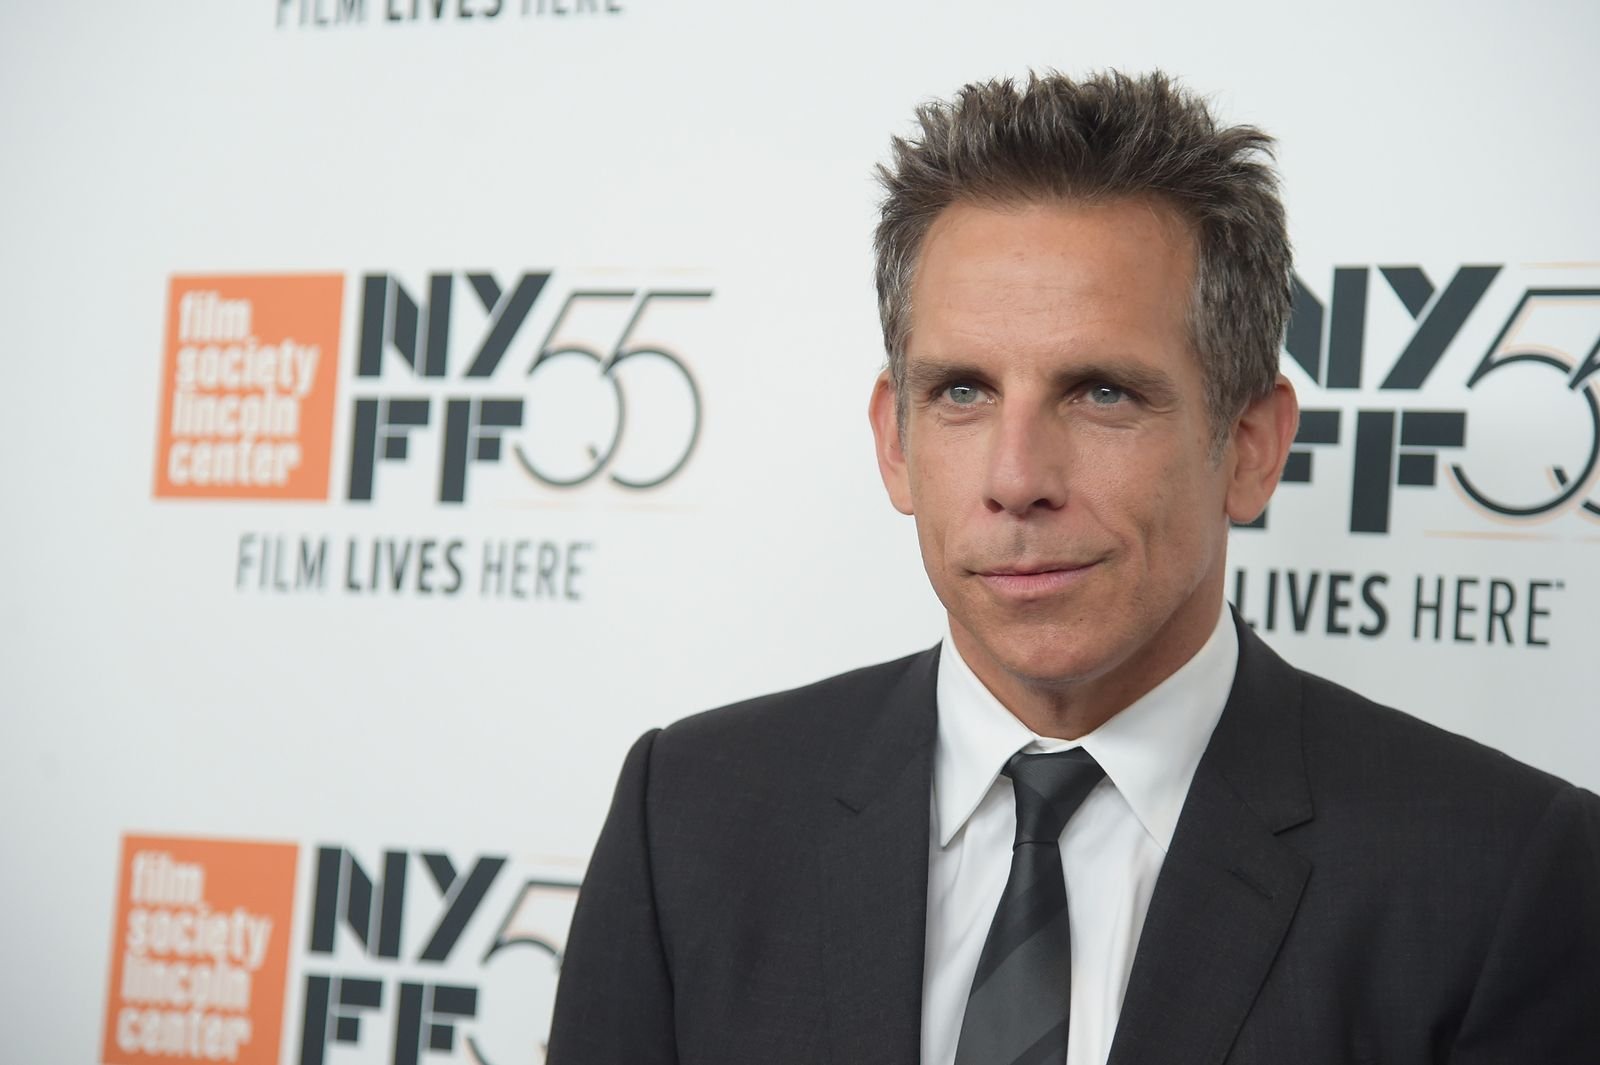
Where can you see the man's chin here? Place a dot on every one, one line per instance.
(1056, 674)
(1046, 658)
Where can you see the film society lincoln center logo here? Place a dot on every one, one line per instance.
(200, 951)
(248, 391)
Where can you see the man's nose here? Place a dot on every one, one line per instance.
(1027, 462)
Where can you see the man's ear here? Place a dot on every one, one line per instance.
(1260, 446)
(890, 448)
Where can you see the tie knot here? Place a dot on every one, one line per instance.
(1049, 790)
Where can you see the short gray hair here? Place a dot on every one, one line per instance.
(1106, 137)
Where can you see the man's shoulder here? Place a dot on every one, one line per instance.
(1364, 754)
(1302, 748)
(812, 727)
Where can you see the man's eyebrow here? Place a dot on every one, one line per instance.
(923, 374)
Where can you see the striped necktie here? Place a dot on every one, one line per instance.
(1021, 996)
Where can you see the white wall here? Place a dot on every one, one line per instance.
(709, 147)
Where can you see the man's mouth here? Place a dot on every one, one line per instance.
(1033, 580)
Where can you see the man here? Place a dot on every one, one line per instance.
(1102, 821)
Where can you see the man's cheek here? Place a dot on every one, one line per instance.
(932, 549)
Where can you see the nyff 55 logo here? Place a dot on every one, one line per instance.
(1518, 416)
(412, 957)
(602, 391)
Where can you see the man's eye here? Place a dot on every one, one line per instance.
(964, 395)
(1104, 395)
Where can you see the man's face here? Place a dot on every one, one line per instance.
(1056, 450)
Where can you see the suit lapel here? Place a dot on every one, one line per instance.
(874, 863)
(1229, 887)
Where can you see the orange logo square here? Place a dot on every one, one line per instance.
(200, 951)
(248, 387)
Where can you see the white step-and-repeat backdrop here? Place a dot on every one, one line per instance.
(410, 401)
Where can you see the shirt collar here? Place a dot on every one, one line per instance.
(1149, 750)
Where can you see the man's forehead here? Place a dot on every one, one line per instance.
(1041, 252)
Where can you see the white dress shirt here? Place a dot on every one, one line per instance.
(1111, 850)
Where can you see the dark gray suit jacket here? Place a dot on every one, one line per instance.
(1346, 885)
